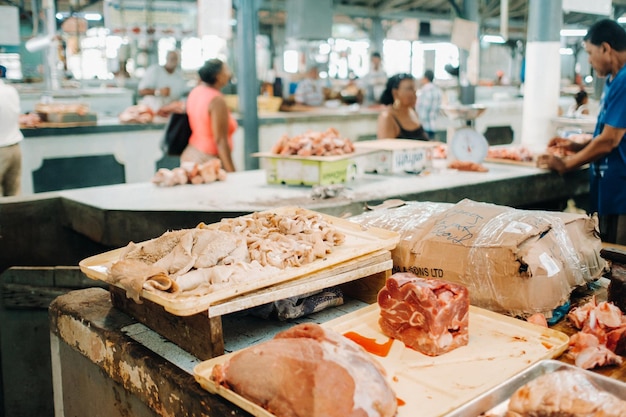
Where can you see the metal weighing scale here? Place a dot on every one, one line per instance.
(465, 144)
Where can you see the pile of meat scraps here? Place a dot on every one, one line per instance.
(467, 166)
(139, 113)
(516, 153)
(190, 173)
(602, 335)
(195, 262)
(312, 143)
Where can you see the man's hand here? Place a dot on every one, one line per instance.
(552, 162)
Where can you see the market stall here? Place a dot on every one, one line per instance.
(128, 366)
(56, 158)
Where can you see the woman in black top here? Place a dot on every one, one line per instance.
(399, 119)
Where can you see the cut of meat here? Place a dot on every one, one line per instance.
(308, 371)
(428, 315)
(602, 336)
(467, 166)
(564, 393)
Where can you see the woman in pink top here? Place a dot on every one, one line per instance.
(212, 125)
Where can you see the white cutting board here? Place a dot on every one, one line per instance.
(499, 347)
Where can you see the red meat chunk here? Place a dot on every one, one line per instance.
(428, 315)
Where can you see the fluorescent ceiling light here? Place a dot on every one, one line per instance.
(573, 32)
(493, 39)
(93, 16)
(566, 51)
(621, 19)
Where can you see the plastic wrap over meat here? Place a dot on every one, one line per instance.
(518, 262)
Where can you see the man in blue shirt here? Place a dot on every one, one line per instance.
(605, 43)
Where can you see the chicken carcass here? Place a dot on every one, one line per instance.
(428, 315)
(308, 371)
(564, 393)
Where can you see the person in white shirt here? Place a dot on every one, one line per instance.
(164, 82)
(10, 138)
(429, 103)
(310, 90)
(375, 81)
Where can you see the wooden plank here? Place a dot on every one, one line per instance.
(532, 164)
(197, 334)
(201, 334)
(346, 272)
(67, 124)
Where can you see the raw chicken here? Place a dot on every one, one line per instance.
(308, 371)
(139, 113)
(602, 336)
(428, 315)
(314, 144)
(520, 154)
(564, 393)
(467, 166)
(190, 173)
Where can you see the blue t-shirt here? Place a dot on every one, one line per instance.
(608, 174)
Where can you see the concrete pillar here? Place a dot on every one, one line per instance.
(377, 35)
(467, 88)
(247, 83)
(429, 61)
(543, 73)
(51, 72)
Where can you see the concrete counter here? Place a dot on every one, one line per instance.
(61, 228)
(65, 226)
(115, 153)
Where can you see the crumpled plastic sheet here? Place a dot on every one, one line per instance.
(409, 219)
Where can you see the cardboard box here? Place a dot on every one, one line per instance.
(394, 156)
(298, 170)
(512, 261)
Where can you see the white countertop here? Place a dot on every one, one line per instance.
(249, 191)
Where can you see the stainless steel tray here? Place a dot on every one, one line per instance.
(495, 401)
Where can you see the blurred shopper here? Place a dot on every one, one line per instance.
(376, 79)
(310, 90)
(428, 103)
(399, 118)
(580, 107)
(605, 43)
(10, 138)
(162, 85)
(212, 125)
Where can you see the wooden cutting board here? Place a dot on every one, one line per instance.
(499, 347)
(532, 164)
(359, 241)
